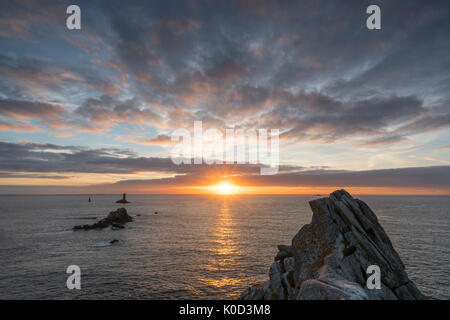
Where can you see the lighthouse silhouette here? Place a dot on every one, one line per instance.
(123, 200)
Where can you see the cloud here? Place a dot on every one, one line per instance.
(384, 140)
(37, 78)
(51, 116)
(34, 157)
(159, 140)
(426, 123)
(6, 126)
(10, 175)
(20, 110)
(107, 111)
(423, 177)
(18, 19)
(308, 68)
(317, 117)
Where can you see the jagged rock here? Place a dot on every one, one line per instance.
(289, 264)
(329, 257)
(257, 291)
(118, 217)
(278, 291)
(284, 252)
(313, 289)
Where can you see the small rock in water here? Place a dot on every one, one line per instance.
(107, 243)
(118, 217)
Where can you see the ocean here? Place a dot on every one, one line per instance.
(196, 247)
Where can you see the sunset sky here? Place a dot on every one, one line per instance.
(92, 110)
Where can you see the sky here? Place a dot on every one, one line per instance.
(93, 110)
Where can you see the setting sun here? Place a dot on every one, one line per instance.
(224, 188)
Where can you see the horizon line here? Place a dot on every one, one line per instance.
(214, 194)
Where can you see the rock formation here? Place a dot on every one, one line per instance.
(117, 218)
(329, 257)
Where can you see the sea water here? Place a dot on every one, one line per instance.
(196, 247)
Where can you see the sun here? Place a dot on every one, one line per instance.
(225, 188)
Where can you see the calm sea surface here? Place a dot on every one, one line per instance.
(197, 247)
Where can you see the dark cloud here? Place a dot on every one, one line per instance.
(424, 177)
(34, 157)
(107, 111)
(32, 176)
(20, 19)
(17, 109)
(384, 140)
(31, 78)
(318, 117)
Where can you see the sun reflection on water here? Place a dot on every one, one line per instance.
(224, 254)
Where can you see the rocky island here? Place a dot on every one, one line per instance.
(115, 218)
(328, 258)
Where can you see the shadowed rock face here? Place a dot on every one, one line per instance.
(329, 257)
(118, 217)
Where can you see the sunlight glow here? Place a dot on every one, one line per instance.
(224, 188)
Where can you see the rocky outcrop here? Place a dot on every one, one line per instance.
(328, 258)
(115, 218)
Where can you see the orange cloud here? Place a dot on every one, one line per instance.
(5, 126)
